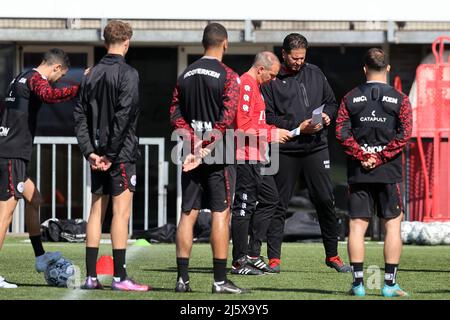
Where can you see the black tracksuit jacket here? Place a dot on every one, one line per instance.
(291, 98)
(107, 110)
(18, 118)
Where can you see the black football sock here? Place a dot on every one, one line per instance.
(358, 273)
(220, 270)
(390, 273)
(119, 264)
(36, 242)
(183, 267)
(91, 262)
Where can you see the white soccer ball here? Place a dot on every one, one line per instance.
(446, 231)
(431, 234)
(413, 236)
(446, 240)
(406, 228)
(59, 273)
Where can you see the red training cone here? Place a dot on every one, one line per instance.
(105, 265)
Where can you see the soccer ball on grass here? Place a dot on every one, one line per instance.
(59, 273)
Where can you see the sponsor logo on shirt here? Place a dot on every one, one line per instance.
(373, 118)
(389, 99)
(10, 98)
(4, 131)
(245, 108)
(372, 149)
(202, 71)
(201, 125)
(247, 87)
(359, 99)
(246, 98)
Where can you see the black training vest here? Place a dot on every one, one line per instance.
(374, 110)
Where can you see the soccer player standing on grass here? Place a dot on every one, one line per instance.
(204, 103)
(256, 195)
(374, 124)
(24, 98)
(299, 88)
(106, 117)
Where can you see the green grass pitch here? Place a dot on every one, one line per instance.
(424, 273)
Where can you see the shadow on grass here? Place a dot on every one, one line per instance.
(210, 270)
(36, 285)
(421, 270)
(434, 292)
(108, 288)
(174, 269)
(302, 290)
(162, 289)
(424, 270)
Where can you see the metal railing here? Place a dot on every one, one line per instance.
(18, 224)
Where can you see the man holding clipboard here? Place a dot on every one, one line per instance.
(292, 102)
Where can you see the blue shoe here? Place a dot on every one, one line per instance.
(393, 291)
(358, 291)
(44, 260)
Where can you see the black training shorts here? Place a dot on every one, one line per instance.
(385, 198)
(120, 177)
(208, 187)
(13, 174)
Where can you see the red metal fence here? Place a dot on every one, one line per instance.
(429, 165)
